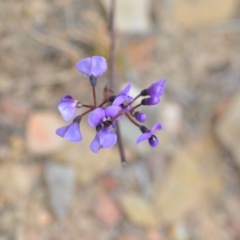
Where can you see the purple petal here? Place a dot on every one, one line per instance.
(143, 137)
(125, 108)
(84, 66)
(156, 89)
(129, 98)
(112, 111)
(161, 82)
(95, 144)
(157, 126)
(71, 132)
(66, 98)
(107, 138)
(98, 66)
(68, 109)
(119, 100)
(126, 90)
(96, 116)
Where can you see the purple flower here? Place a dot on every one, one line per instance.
(123, 96)
(141, 117)
(155, 90)
(149, 135)
(150, 101)
(71, 132)
(95, 66)
(68, 107)
(102, 118)
(103, 139)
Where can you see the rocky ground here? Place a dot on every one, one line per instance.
(187, 188)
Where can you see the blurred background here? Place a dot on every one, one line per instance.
(186, 189)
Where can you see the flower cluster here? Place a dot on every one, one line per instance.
(104, 116)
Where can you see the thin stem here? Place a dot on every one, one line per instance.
(86, 112)
(120, 146)
(138, 96)
(94, 96)
(88, 106)
(104, 102)
(136, 107)
(112, 44)
(135, 123)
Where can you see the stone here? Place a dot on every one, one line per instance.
(109, 182)
(178, 231)
(17, 148)
(194, 177)
(172, 116)
(40, 132)
(193, 14)
(228, 127)
(60, 180)
(43, 218)
(13, 109)
(138, 211)
(15, 183)
(107, 210)
(36, 7)
(139, 55)
(153, 234)
(131, 16)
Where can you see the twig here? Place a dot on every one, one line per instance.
(112, 45)
(121, 147)
(111, 74)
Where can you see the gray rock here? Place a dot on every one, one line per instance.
(40, 132)
(60, 182)
(193, 179)
(131, 16)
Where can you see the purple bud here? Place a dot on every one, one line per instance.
(93, 80)
(150, 101)
(153, 141)
(156, 89)
(111, 98)
(141, 117)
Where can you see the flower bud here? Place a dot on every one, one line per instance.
(141, 117)
(93, 80)
(150, 101)
(111, 98)
(153, 141)
(156, 89)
